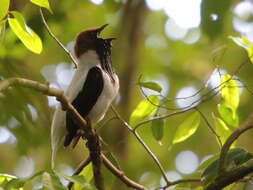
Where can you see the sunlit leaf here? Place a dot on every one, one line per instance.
(229, 91)
(245, 43)
(4, 8)
(227, 114)
(157, 128)
(221, 129)
(9, 182)
(235, 157)
(29, 38)
(187, 128)
(76, 179)
(151, 85)
(87, 173)
(42, 3)
(52, 182)
(230, 100)
(144, 109)
(14, 184)
(2, 29)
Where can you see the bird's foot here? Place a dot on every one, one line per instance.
(88, 122)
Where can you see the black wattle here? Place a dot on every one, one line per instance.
(85, 100)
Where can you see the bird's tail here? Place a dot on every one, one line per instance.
(58, 131)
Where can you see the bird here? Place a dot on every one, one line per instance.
(92, 89)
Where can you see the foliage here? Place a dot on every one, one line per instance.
(143, 48)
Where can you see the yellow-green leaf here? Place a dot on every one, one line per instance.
(230, 100)
(229, 91)
(29, 38)
(4, 8)
(187, 128)
(246, 44)
(42, 3)
(157, 129)
(2, 29)
(87, 175)
(5, 178)
(228, 115)
(144, 109)
(151, 85)
(52, 182)
(221, 129)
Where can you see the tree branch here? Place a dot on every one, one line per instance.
(134, 132)
(209, 126)
(92, 138)
(120, 174)
(181, 181)
(89, 133)
(232, 176)
(235, 135)
(56, 39)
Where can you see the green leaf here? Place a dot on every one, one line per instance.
(235, 157)
(42, 3)
(221, 129)
(4, 8)
(245, 43)
(151, 85)
(144, 109)
(230, 100)
(14, 184)
(9, 182)
(187, 128)
(157, 128)
(87, 173)
(208, 161)
(52, 182)
(229, 92)
(227, 114)
(76, 179)
(82, 180)
(2, 29)
(29, 38)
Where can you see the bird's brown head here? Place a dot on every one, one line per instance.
(89, 40)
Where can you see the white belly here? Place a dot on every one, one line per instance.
(105, 99)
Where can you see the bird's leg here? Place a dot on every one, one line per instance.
(80, 133)
(88, 125)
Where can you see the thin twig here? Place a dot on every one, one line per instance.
(209, 126)
(152, 155)
(78, 170)
(181, 181)
(120, 174)
(56, 39)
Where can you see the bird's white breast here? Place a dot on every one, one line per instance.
(109, 92)
(110, 89)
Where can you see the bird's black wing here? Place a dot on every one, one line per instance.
(85, 100)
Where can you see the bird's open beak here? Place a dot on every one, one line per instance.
(99, 30)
